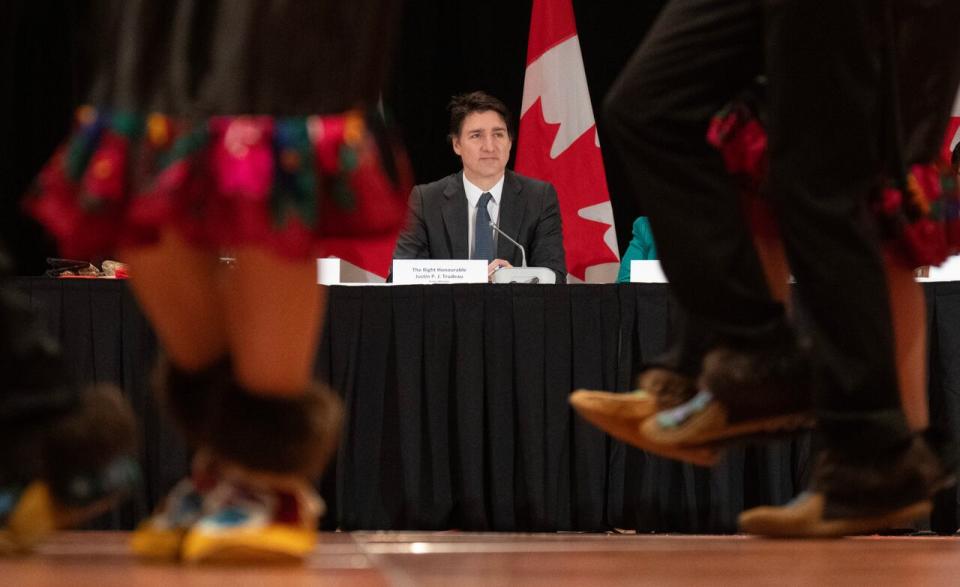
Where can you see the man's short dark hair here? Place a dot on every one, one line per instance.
(464, 105)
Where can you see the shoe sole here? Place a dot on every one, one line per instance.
(271, 545)
(628, 430)
(712, 427)
(38, 514)
(622, 406)
(756, 523)
(157, 545)
(245, 555)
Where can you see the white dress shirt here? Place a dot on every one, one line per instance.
(493, 209)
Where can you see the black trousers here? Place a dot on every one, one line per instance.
(826, 79)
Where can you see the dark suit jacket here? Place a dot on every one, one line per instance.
(437, 224)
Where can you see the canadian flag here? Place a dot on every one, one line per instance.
(367, 263)
(953, 130)
(558, 142)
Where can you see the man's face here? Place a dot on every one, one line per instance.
(484, 146)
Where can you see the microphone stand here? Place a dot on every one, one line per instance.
(523, 252)
(522, 274)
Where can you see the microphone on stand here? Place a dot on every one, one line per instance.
(522, 274)
(523, 253)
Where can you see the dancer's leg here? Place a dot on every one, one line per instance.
(274, 311)
(820, 178)
(274, 428)
(908, 309)
(924, 61)
(178, 287)
(873, 472)
(698, 56)
(909, 326)
(775, 267)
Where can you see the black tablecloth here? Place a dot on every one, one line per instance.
(457, 406)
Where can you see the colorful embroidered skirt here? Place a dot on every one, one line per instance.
(301, 186)
(918, 217)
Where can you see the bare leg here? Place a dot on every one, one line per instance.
(271, 429)
(908, 307)
(177, 286)
(274, 313)
(909, 324)
(774, 261)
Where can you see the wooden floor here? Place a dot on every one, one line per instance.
(101, 559)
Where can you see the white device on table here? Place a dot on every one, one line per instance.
(522, 274)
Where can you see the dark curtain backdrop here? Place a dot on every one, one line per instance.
(457, 397)
(445, 47)
(41, 66)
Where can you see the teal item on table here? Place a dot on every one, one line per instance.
(641, 248)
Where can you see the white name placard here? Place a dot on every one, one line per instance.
(646, 272)
(948, 271)
(328, 271)
(414, 271)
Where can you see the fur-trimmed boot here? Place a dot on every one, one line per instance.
(269, 448)
(657, 388)
(759, 389)
(66, 453)
(621, 415)
(667, 382)
(59, 470)
(189, 398)
(858, 492)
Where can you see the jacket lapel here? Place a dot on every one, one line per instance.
(511, 218)
(455, 216)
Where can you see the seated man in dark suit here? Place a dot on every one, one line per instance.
(450, 218)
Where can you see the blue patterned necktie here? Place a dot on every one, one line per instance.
(482, 233)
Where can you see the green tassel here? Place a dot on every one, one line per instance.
(126, 124)
(293, 194)
(306, 179)
(341, 193)
(184, 146)
(349, 159)
(78, 156)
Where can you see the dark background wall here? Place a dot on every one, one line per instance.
(444, 47)
(40, 69)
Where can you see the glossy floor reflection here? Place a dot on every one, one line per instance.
(100, 559)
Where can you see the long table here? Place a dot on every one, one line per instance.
(457, 407)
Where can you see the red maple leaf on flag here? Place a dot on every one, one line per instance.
(557, 140)
(580, 184)
(952, 138)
